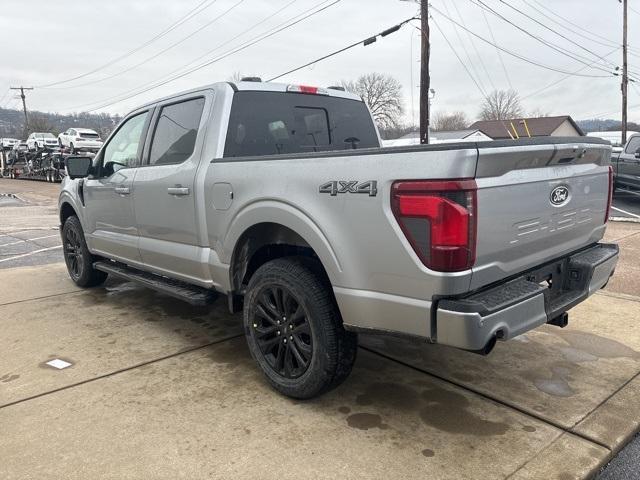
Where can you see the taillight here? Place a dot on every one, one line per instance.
(438, 217)
(610, 198)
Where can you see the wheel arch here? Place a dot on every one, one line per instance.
(265, 241)
(66, 210)
(283, 228)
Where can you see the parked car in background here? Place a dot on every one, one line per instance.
(18, 151)
(615, 137)
(83, 139)
(7, 143)
(39, 141)
(626, 165)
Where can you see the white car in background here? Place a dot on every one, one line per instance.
(7, 143)
(39, 141)
(80, 139)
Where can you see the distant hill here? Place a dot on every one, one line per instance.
(12, 122)
(599, 125)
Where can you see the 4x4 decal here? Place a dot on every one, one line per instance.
(334, 187)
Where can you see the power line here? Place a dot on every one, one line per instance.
(5, 95)
(580, 27)
(561, 35)
(493, 38)
(365, 42)
(464, 48)
(464, 65)
(475, 48)
(156, 55)
(169, 29)
(577, 32)
(484, 95)
(553, 84)
(150, 86)
(517, 55)
(547, 43)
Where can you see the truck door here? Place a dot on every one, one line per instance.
(629, 164)
(166, 192)
(108, 194)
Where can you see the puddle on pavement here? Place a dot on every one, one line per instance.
(366, 421)
(598, 346)
(9, 378)
(557, 385)
(388, 394)
(437, 407)
(448, 411)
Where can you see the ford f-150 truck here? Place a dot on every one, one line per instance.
(280, 198)
(626, 164)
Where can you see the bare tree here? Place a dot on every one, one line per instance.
(39, 123)
(382, 93)
(537, 113)
(443, 121)
(501, 105)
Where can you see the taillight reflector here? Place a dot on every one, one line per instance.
(438, 218)
(610, 197)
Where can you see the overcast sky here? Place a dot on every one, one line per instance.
(46, 42)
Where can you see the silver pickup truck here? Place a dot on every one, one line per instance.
(280, 198)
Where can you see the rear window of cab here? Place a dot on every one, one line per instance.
(276, 123)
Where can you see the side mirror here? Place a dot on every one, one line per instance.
(78, 167)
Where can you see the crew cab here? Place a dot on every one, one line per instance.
(80, 139)
(626, 164)
(280, 198)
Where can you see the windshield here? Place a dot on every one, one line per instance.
(272, 123)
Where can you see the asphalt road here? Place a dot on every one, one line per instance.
(626, 204)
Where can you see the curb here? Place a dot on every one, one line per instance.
(624, 219)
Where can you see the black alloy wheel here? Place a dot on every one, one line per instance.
(72, 248)
(282, 331)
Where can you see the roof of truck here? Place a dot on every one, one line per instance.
(256, 87)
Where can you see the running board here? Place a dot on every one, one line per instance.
(189, 293)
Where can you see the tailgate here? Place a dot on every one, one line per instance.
(537, 200)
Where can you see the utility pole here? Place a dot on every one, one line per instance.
(24, 106)
(625, 77)
(425, 79)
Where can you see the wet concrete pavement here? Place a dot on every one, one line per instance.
(159, 389)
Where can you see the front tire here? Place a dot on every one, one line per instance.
(77, 257)
(294, 329)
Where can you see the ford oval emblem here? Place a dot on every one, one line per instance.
(559, 195)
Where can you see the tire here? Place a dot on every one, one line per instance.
(77, 257)
(310, 352)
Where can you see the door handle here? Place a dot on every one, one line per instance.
(122, 190)
(178, 190)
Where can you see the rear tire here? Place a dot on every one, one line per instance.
(294, 329)
(77, 257)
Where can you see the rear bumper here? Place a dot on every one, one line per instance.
(511, 308)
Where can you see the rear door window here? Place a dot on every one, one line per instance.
(174, 138)
(633, 146)
(272, 123)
